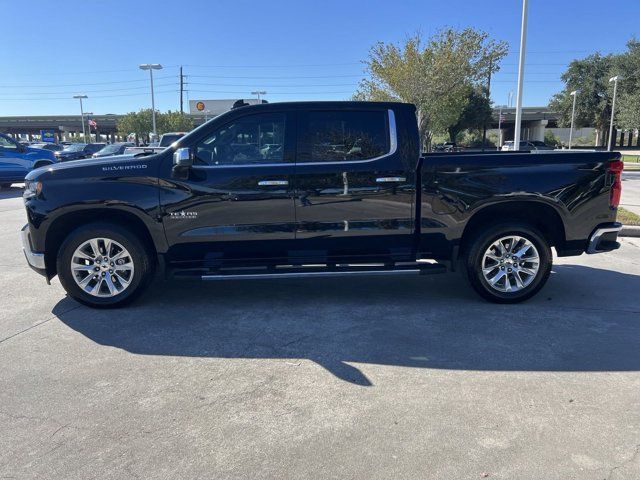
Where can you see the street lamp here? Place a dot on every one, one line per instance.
(258, 93)
(206, 115)
(523, 44)
(151, 67)
(574, 94)
(613, 107)
(84, 132)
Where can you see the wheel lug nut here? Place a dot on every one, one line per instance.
(96, 269)
(509, 270)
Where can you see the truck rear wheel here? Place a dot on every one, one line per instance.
(508, 263)
(104, 265)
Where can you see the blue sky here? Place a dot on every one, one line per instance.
(295, 50)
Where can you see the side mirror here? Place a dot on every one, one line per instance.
(182, 158)
(182, 162)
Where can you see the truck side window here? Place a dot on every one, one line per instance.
(335, 136)
(253, 139)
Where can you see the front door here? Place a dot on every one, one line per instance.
(351, 185)
(237, 203)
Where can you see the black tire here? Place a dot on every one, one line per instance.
(473, 257)
(144, 264)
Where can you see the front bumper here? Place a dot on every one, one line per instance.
(604, 238)
(34, 259)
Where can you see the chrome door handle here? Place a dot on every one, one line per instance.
(391, 179)
(268, 183)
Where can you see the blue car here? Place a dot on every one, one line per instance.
(16, 160)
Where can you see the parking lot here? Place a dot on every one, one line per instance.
(368, 378)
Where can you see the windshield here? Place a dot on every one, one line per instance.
(76, 147)
(110, 149)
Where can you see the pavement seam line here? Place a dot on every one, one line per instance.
(38, 324)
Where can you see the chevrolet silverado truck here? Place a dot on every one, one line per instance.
(316, 189)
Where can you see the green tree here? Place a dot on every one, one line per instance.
(474, 115)
(173, 122)
(628, 108)
(590, 76)
(629, 114)
(139, 123)
(436, 75)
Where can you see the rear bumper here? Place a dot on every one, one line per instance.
(604, 238)
(34, 259)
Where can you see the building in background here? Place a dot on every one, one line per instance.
(213, 108)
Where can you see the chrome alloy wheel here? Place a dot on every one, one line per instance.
(102, 267)
(510, 264)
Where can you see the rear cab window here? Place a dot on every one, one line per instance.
(342, 135)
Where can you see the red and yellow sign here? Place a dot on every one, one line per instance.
(200, 106)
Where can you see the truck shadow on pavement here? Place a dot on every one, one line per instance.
(577, 323)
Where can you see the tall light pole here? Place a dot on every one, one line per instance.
(151, 67)
(84, 132)
(613, 107)
(206, 115)
(574, 94)
(523, 45)
(258, 93)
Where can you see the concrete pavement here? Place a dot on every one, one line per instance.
(335, 378)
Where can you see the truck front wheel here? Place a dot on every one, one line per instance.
(508, 263)
(104, 265)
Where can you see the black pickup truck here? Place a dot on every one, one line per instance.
(316, 189)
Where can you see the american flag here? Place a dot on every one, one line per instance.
(92, 123)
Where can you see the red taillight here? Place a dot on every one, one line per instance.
(616, 168)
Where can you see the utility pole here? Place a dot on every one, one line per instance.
(613, 108)
(151, 67)
(500, 129)
(84, 131)
(574, 94)
(258, 93)
(484, 127)
(181, 89)
(523, 47)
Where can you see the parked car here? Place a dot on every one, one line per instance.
(447, 147)
(346, 192)
(113, 149)
(526, 146)
(16, 160)
(77, 151)
(53, 147)
(165, 141)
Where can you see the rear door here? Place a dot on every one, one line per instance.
(351, 185)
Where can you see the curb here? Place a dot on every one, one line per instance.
(629, 231)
